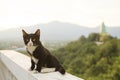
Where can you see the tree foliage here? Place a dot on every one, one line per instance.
(85, 59)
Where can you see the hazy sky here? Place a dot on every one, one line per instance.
(90, 13)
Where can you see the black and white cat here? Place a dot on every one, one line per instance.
(40, 56)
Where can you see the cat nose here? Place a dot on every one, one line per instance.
(30, 44)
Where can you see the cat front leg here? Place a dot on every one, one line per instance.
(39, 66)
(32, 65)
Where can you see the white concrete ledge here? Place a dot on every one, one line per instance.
(16, 65)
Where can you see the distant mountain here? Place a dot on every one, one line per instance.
(55, 31)
(114, 31)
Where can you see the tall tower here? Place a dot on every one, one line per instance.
(103, 33)
(103, 29)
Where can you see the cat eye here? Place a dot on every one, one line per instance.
(27, 39)
(33, 39)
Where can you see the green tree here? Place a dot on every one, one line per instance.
(93, 37)
(89, 61)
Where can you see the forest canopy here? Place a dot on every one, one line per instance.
(90, 61)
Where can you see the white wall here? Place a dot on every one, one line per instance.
(5, 74)
(14, 66)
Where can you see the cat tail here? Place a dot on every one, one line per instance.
(61, 70)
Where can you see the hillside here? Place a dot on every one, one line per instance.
(55, 31)
(85, 59)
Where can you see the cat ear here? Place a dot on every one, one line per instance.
(24, 33)
(37, 32)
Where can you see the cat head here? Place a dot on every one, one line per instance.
(31, 39)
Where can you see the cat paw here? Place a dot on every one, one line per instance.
(35, 71)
